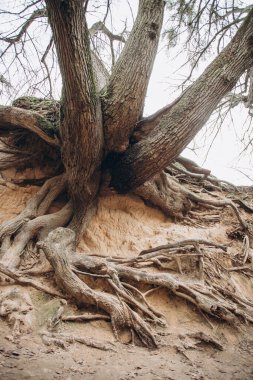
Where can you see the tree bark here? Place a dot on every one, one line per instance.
(81, 128)
(177, 128)
(12, 118)
(124, 96)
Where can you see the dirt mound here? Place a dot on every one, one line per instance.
(34, 343)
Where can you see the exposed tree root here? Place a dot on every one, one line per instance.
(202, 337)
(129, 309)
(61, 340)
(207, 298)
(21, 280)
(165, 194)
(14, 118)
(17, 233)
(177, 201)
(85, 317)
(36, 206)
(121, 314)
(124, 304)
(191, 170)
(40, 227)
(28, 134)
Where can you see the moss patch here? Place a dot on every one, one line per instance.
(49, 110)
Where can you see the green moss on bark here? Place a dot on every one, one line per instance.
(49, 110)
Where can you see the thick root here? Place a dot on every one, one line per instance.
(165, 194)
(40, 227)
(122, 316)
(36, 206)
(207, 299)
(17, 233)
(211, 299)
(176, 200)
(125, 305)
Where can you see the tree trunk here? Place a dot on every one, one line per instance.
(178, 127)
(123, 98)
(80, 128)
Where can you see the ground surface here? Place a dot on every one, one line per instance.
(124, 226)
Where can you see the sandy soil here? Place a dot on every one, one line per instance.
(124, 226)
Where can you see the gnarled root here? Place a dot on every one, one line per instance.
(207, 299)
(162, 193)
(36, 206)
(126, 309)
(123, 302)
(176, 200)
(17, 233)
(210, 299)
(122, 315)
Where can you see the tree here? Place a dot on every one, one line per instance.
(96, 139)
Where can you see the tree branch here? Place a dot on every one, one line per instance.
(80, 118)
(100, 72)
(124, 96)
(144, 127)
(101, 26)
(167, 140)
(14, 39)
(13, 118)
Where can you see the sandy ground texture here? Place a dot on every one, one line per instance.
(192, 346)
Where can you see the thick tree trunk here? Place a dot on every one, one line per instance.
(177, 128)
(123, 99)
(81, 127)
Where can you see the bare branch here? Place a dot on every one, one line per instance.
(123, 99)
(100, 26)
(14, 39)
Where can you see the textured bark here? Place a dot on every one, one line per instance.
(124, 96)
(80, 129)
(177, 128)
(164, 193)
(55, 247)
(146, 125)
(12, 118)
(16, 233)
(40, 226)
